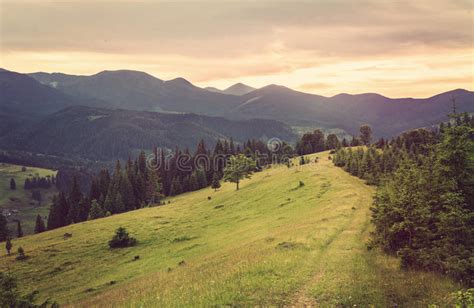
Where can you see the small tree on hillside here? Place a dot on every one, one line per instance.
(19, 230)
(3, 228)
(12, 184)
(216, 184)
(238, 168)
(8, 246)
(122, 239)
(39, 225)
(21, 254)
(302, 160)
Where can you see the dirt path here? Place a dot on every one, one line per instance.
(349, 238)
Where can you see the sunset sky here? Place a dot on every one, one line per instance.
(396, 48)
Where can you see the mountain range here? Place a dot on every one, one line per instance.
(139, 91)
(129, 110)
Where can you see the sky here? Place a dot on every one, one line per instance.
(393, 47)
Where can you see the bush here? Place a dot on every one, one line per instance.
(21, 254)
(122, 239)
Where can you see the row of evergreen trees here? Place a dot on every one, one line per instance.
(145, 180)
(39, 182)
(424, 207)
(316, 141)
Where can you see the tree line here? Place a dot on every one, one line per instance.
(39, 182)
(146, 180)
(317, 142)
(423, 210)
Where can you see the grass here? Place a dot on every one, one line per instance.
(266, 244)
(20, 199)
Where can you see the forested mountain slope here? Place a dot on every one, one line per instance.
(111, 134)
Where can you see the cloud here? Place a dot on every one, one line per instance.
(227, 41)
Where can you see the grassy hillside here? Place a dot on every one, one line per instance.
(19, 202)
(272, 242)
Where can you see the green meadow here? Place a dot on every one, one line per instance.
(19, 201)
(273, 242)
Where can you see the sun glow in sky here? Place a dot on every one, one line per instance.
(394, 47)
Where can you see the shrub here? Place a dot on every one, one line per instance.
(21, 254)
(122, 239)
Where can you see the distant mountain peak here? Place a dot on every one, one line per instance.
(238, 89)
(180, 81)
(124, 73)
(275, 87)
(212, 89)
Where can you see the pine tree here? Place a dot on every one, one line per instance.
(39, 225)
(127, 193)
(153, 189)
(19, 230)
(201, 178)
(96, 211)
(4, 232)
(12, 184)
(8, 246)
(58, 212)
(27, 184)
(94, 190)
(215, 181)
(74, 201)
(176, 188)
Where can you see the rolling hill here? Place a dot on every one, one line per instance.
(107, 134)
(273, 242)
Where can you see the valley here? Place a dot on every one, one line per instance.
(18, 204)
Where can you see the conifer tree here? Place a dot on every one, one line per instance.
(153, 189)
(95, 190)
(19, 230)
(12, 184)
(127, 193)
(96, 211)
(39, 225)
(8, 246)
(74, 202)
(215, 182)
(193, 182)
(4, 232)
(175, 187)
(201, 178)
(58, 212)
